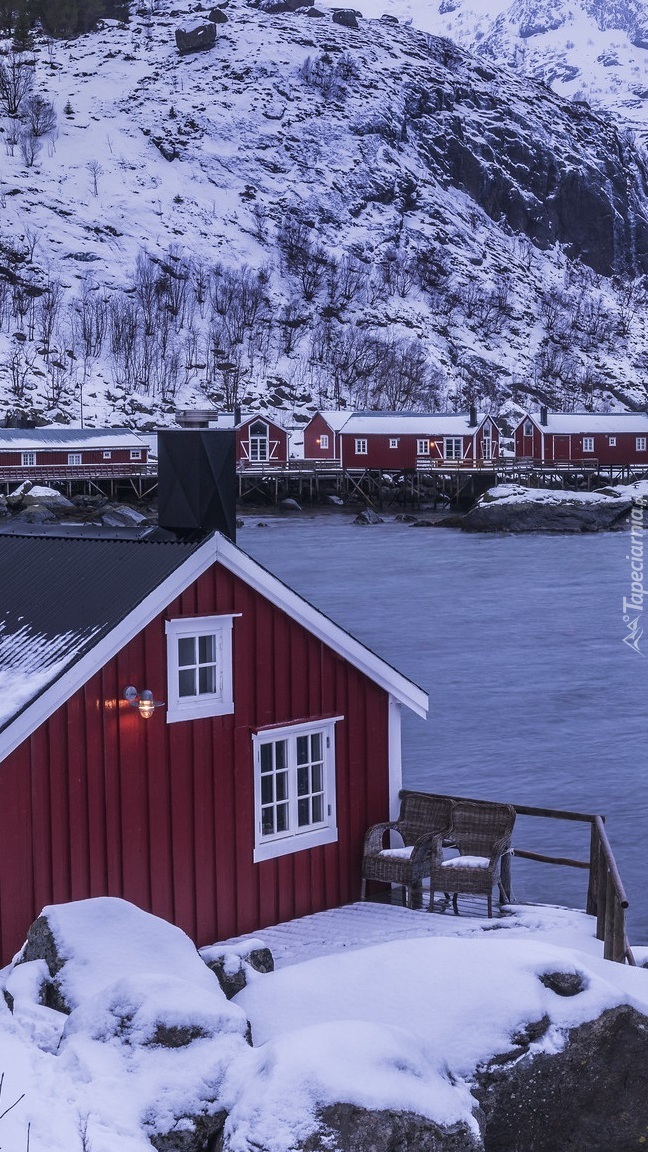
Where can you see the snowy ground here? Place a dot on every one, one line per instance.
(369, 1004)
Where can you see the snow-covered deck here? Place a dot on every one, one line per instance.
(364, 924)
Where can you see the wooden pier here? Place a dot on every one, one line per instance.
(434, 484)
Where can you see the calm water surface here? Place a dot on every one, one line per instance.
(518, 640)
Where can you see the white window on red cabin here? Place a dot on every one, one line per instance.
(294, 788)
(323, 440)
(27, 459)
(199, 667)
(527, 428)
(641, 444)
(74, 457)
(588, 443)
(393, 441)
(360, 447)
(135, 454)
(612, 441)
(452, 447)
(423, 447)
(107, 455)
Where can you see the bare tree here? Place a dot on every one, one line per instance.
(95, 170)
(16, 81)
(39, 116)
(30, 147)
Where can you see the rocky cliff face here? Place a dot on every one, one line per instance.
(309, 214)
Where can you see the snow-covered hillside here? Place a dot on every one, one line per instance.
(316, 215)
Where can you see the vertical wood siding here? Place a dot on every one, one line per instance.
(100, 802)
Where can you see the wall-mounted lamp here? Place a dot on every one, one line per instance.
(143, 701)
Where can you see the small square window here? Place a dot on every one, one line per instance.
(107, 455)
(199, 654)
(361, 447)
(74, 458)
(393, 441)
(612, 441)
(135, 454)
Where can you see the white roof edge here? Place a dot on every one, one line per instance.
(320, 625)
(215, 548)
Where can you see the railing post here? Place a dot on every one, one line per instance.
(610, 909)
(592, 887)
(601, 896)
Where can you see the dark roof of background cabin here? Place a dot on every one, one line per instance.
(63, 436)
(61, 596)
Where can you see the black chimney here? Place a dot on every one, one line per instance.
(197, 482)
(472, 420)
(237, 416)
(543, 416)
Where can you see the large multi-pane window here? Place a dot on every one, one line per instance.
(199, 667)
(294, 771)
(452, 446)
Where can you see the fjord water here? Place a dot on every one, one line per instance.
(534, 697)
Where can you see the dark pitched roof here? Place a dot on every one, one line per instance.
(61, 596)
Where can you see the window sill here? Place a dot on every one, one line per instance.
(290, 844)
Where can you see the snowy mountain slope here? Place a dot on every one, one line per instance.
(592, 50)
(314, 215)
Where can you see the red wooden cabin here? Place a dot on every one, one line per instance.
(41, 453)
(400, 441)
(260, 440)
(606, 439)
(240, 801)
(322, 435)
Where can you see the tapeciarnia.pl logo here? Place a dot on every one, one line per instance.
(633, 606)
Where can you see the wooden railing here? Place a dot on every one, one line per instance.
(606, 897)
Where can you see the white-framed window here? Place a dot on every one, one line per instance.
(323, 440)
(199, 667)
(27, 459)
(74, 457)
(588, 443)
(423, 447)
(641, 444)
(452, 447)
(107, 455)
(393, 441)
(487, 443)
(527, 428)
(360, 447)
(259, 439)
(135, 454)
(294, 788)
(612, 441)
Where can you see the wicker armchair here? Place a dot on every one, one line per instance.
(423, 823)
(481, 832)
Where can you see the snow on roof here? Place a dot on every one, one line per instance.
(335, 419)
(399, 1021)
(57, 437)
(412, 423)
(574, 422)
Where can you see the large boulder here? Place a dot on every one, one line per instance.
(195, 37)
(512, 508)
(592, 1095)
